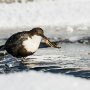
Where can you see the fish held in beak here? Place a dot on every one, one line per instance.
(49, 43)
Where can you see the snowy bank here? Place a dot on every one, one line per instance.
(42, 81)
(45, 13)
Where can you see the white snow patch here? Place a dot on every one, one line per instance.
(74, 38)
(69, 29)
(41, 81)
(57, 12)
(82, 27)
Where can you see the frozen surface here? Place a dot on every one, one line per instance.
(71, 59)
(65, 22)
(60, 12)
(41, 81)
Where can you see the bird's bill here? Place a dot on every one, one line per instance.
(48, 42)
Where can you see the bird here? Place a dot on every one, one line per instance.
(25, 43)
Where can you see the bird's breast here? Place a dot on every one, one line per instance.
(32, 44)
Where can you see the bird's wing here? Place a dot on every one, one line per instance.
(17, 38)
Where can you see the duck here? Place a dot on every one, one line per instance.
(25, 43)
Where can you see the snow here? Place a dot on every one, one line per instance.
(42, 81)
(58, 12)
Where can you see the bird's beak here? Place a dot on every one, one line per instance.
(48, 42)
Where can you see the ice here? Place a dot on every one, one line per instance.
(62, 21)
(41, 81)
(58, 12)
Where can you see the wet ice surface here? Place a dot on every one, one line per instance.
(71, 59)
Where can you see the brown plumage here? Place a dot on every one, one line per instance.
(22, 44)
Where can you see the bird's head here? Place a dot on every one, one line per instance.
(39, 31)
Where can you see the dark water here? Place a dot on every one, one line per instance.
(12, 66)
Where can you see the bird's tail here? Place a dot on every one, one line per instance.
(2, 47)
